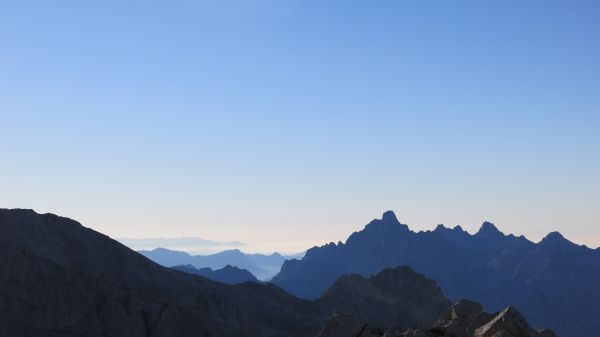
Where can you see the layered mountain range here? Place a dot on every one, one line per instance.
(58, 278)
(553, 282)
(262, 266)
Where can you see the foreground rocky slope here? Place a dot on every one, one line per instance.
(58, 278)
(393, 296)
(464, 319)
(554, 282)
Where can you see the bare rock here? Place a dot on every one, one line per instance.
(509, 322)
(461, 319)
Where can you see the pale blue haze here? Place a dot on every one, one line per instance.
(286, 124)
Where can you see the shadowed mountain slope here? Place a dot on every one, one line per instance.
(227, 274)
(58, 278)
(393, 296)
(554, 282)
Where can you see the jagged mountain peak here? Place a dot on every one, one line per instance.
(554, 236)
(389, 216)
(555, 239)
(488, 229)
(388, 221)
(442, 228)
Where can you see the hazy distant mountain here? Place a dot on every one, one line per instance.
(58, 278)
(554, 282)
(262, 266)
(190, 244)
(227, 274)
(296, 256)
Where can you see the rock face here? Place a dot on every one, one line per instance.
(553, 282)
(509, 322)
(463, 319)
(228, 274)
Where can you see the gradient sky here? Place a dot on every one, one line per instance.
(286, 124)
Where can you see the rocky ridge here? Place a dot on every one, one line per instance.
(463, 319)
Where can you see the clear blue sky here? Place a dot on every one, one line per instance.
(291, 123)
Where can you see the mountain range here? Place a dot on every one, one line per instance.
(58, 278)
(262, 266)
(228, 274)
(555, 282)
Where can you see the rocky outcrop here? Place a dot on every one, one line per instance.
(463, 319)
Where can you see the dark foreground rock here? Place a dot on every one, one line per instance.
(58, 278)
(464, 319)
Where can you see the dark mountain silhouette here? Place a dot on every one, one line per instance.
(58, 278)
(554, 282)
(262, 266)
(464, 319)
(227, 274)
(399, 302)
(393, 296)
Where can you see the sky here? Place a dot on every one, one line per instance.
(287, 124)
